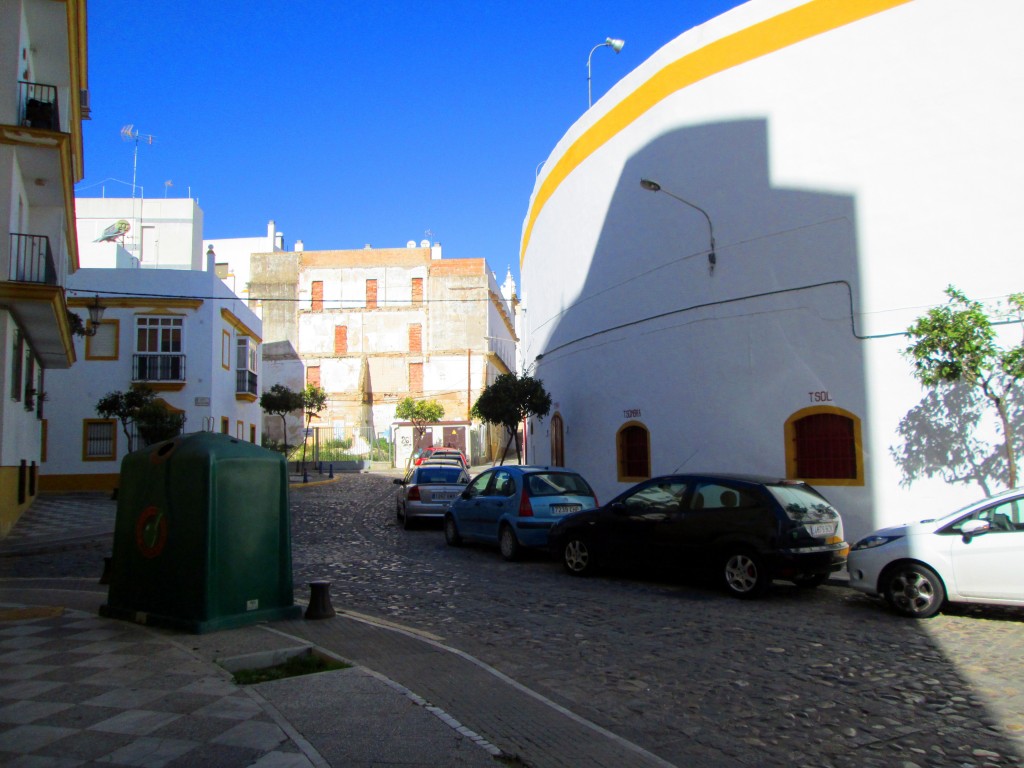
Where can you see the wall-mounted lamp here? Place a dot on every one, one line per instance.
(95, 316)
(654, 186)
(611, 42)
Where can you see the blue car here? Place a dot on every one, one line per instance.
(515, 506)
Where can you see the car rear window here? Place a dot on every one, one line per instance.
(801, 503)
(442, 475)
(557, 484)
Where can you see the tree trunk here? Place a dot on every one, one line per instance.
(504, 451)
(1011, 454)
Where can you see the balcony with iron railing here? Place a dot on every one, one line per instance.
(38, 106)
(246, 383)
(31, 260)
(158, 367)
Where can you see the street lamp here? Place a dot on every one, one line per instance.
(615, 45)
(654, 186)
(95, 316)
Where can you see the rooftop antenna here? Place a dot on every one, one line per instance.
(131, 133)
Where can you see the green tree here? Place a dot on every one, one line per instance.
(279, 400)
(314, 400)
(956, 344)
(508, 401)
(420, 413)
(137, 405)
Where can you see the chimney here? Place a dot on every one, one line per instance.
(211, 259)
(299, 246)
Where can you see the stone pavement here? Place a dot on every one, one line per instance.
(77, 689)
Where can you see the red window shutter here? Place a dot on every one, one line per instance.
(825, 447)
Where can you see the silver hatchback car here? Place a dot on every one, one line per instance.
(427, 490)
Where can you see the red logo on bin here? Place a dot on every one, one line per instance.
(151, 532)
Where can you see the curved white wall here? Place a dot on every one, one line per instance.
(853, 158)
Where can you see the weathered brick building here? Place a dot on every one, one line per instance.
(375, 325)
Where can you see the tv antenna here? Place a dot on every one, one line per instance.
(130, 133)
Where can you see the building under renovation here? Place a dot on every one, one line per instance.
(375, 325)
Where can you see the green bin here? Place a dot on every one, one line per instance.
(202, 540)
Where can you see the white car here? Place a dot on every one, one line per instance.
(974, 555)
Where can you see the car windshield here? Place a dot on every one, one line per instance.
(802, 504)
(557, 484)
(450, 475)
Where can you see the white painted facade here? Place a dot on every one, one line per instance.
(209, 387)
(43, 87)
(164, 233)
(852, 159)
(233, 262)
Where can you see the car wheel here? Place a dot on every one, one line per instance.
(451, 532)
(812, 581)
(744, 574)
(578, 557)
(407, 522)
(914, 590)
(509, 543)
(398, 513)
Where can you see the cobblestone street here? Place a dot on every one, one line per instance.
(824, 677)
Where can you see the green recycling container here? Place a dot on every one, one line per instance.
(202, 540)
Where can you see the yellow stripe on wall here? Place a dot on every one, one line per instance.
(768, 36)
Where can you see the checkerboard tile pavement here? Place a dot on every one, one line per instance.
(53, 518)
(77, 690)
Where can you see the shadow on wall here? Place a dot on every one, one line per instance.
(939, 439)
(726, 355)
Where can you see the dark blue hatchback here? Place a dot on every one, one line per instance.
(747, 530)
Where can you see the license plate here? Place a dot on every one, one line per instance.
(820, 529)
(443, 496)
(565, 509)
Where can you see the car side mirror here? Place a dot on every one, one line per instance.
(398, 481)
(619, 508)
(973, 528)
(467, 494)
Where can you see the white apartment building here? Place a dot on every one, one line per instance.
(162, 233)
(815, 174)
(43, 100)
(182, 334)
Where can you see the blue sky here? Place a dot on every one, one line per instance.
(350, 123)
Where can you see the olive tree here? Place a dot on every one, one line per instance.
(510, 399)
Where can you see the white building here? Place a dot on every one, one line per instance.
(182, 334)
(234, 256)
(826, 170)
(162, 233)
(43, 100)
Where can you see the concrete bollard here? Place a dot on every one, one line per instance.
(319, 601)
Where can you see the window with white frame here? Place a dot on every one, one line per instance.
(246, 362)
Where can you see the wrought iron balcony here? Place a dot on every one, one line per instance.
(246, 383)
(31, 260)
(158, 367)
(37, 106)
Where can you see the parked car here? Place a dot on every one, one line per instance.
(746, 530)
(427, 490)
(422, 454)
(972, 555)
(515, 506)
(446, 454)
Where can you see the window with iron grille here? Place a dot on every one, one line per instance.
(158, 346)
(825, 447)
(99, 440)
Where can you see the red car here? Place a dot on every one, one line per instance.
(437, 451)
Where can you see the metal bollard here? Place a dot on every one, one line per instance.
(107, 565)
(305, 475)
(330, 471)
(319, 601)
